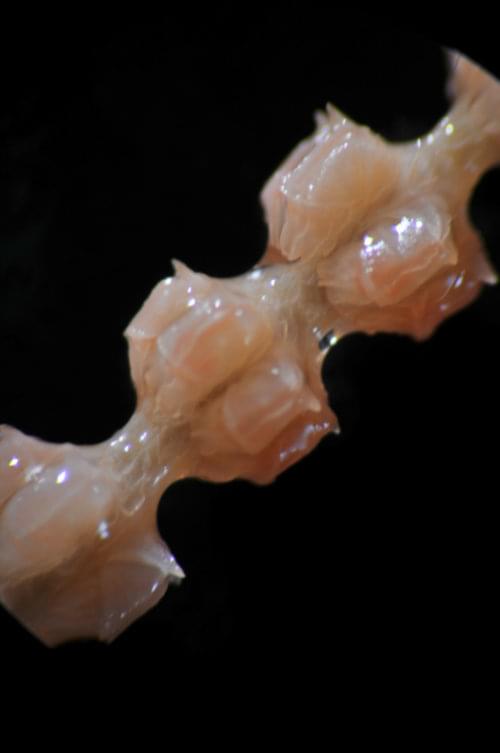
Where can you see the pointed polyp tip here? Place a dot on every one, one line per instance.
(335, 427)
(181, 269)
(177, 573)
(452, 59)
(177, 265)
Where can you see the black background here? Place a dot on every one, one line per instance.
(127, 141)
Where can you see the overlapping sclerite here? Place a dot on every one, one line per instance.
(364, 235)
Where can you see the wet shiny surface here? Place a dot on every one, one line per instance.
(228, 372)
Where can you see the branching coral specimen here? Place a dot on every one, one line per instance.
(364, 235)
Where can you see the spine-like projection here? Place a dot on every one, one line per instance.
(364, 235)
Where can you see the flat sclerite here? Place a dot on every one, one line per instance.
(364, 235)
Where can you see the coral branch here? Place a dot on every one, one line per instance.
(364, 235)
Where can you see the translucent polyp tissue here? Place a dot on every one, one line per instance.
(364, 235)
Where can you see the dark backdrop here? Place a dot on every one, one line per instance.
(125, 142)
